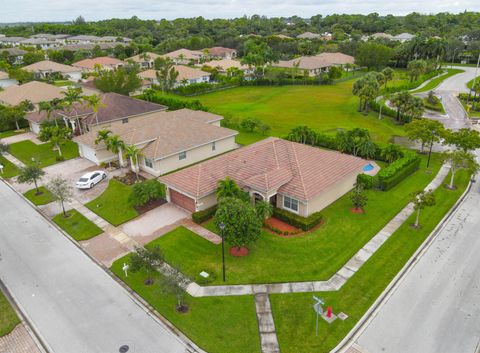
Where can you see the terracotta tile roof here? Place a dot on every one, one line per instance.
(293, 169)
(166, 133)
(226, 64)
(13, 51)
(139, 57)
(317, 62)
(102, 61)
(184, 73)
(50, 66)
(219, 51)
(186, 53)
(33, 91)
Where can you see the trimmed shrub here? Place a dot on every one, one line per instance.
(144, 192)
(202, 216)
(171, 102)
(367, 181)
(304, 223)
(397, 171)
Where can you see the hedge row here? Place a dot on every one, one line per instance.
(171, 102)
(391, 175)
(304, 223)
(203, 216)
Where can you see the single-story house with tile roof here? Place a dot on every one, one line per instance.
(113, 107)
(292, 176)
(13, 41)
(184, 56)
(41, 43)
(33, 91)
(220, 53)
(225, 64)
(186, 76)
(14, 54)
(89, 46)
(167, 140)
(103, 62)
(404, 37)
(83, 39)
(316, 64)
(309, 35)
(43, 69)
(145, 60)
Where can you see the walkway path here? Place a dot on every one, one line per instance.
(338, 279)
(266, 325)
(18, 341)
(13, 160)
(203, 232)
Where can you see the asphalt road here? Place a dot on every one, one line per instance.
(73, 303)
(436, 307)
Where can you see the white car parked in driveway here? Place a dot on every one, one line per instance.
(89, 180)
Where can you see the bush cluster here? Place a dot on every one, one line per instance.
(171, 102)
(146, 191)
(203, 216)
(303, 223)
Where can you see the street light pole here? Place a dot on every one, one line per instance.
(431, 146)
(222, 227)
(453, 58)
(474, 79)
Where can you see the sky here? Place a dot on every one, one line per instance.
(92, 10)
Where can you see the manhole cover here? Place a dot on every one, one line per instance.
(124, 349)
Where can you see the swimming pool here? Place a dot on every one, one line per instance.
(368, 167)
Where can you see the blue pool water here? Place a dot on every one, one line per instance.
(368, 167)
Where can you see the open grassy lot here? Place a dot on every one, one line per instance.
(43, 198)
(44, 154)
(438, 80)
(293, 313)
(79, 227)
(8, 317)
(9, 169)
(113, 205)
(323, 108)
(312, 256)
(216, 324)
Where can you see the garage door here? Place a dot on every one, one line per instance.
(88, 153)
(182, 200)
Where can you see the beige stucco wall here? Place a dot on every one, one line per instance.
(193, 156)
(206, 202)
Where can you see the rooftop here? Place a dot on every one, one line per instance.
(102, 61)
(50, 66)
(184, 73)
(318, 61)
(33, 91)
(294, 169)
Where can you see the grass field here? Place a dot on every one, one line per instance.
(44, 154)
(324, 108)
(216, 324)
(293, 314)
(438, 80)
(8, 317)
(470, 83)
(318, 254)
(79, 227)
(42, 199)
(113, 205)
(9, 169)
(9, 133)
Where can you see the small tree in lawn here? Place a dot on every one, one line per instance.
(61, 190)
(461, 160)
(57, 135)
(242, 225)
(31, 174)
(422, 199)
(359, 199)
(174, 282)
(146, 259)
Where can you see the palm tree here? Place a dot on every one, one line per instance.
(95, 102)
(227, 188)
(132, 152)
(102, 136)
(391, 152)
(388, 73)
(72, 97)
(116, 145)
(49, 108)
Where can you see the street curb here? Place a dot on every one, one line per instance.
(147, 308)
(37, 338)
(370, 314)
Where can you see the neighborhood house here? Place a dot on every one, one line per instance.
(186, 76)
(316, 64)
(44, 69)
(292, 176)
(103, 63)
(34, 92)
(167, 140)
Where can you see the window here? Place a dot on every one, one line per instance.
(148, 162)
(213, 146)
(182, 155)
(290, 204)
(125, 120)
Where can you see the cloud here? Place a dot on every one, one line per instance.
(64, 10)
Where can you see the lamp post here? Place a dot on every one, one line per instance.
(222, 227)
(431, 146)
(474, 79)
(453, 58)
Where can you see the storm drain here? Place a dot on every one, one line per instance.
(124, 349)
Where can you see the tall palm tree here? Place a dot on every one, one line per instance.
(227, 188)
(50, 107)
(132, 152)
(72, 97)
(95, 102)
(116, 145)
(102, 136)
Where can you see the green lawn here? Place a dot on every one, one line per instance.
(77, 225)
(318, 254)
(438, 107)
(9, 133)
(293, 314)
(8, 317)
(216, 324)
(113, 205)
(470, 83)
(324, 108)
(42, 199)
(44, 154)
(438, 80)
(9, 169)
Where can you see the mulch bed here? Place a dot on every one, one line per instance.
(129, 178)
(239, 251)
(298, 232)
(150, 206)
(357, 210)
(280, 225)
